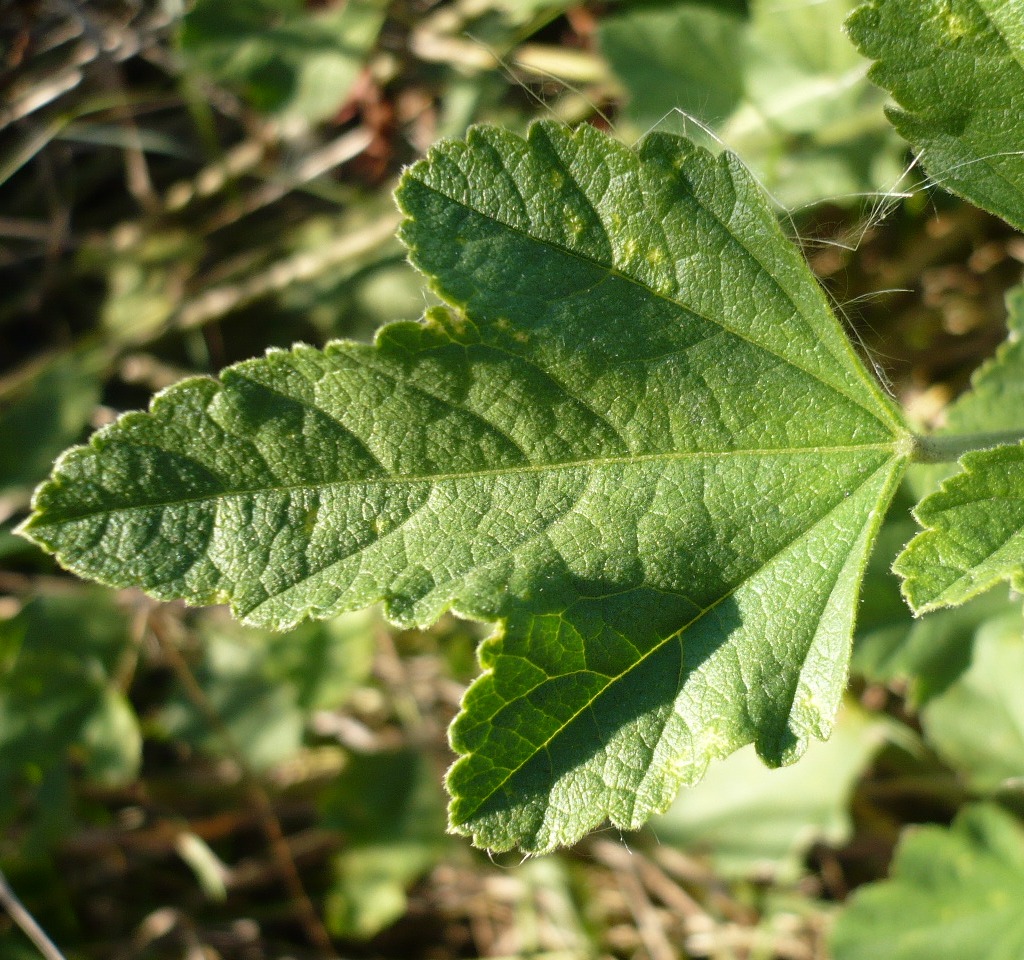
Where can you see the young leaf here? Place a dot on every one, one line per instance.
(956, 67)
(994, 404)
(641, 440)
(974, 532)
(953, 895)
(976, 541)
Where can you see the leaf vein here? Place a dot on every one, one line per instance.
(720, 322)
(594, 463)
(678, 634)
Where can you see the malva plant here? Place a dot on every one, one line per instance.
(636, 438)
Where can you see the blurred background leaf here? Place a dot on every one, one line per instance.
(281, 55)
(265, 687)
(977, 724)
(42, 412)
(953, 894)
(756, 823)
(63, 716)
(778, 83)
(390, 809)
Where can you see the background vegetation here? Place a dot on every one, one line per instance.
(184, 185)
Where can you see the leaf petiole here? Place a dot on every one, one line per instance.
(949, 449)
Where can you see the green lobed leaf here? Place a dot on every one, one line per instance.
(640, 440)
(956, 68)
(973, 533)
(953, 894)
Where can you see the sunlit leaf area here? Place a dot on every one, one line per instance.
(454, 457)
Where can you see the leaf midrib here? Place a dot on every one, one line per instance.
(594, 463)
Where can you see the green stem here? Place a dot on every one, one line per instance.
(949, 449)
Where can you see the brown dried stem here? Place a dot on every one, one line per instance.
(270, 824)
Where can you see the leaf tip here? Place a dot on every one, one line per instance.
(24, 530)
